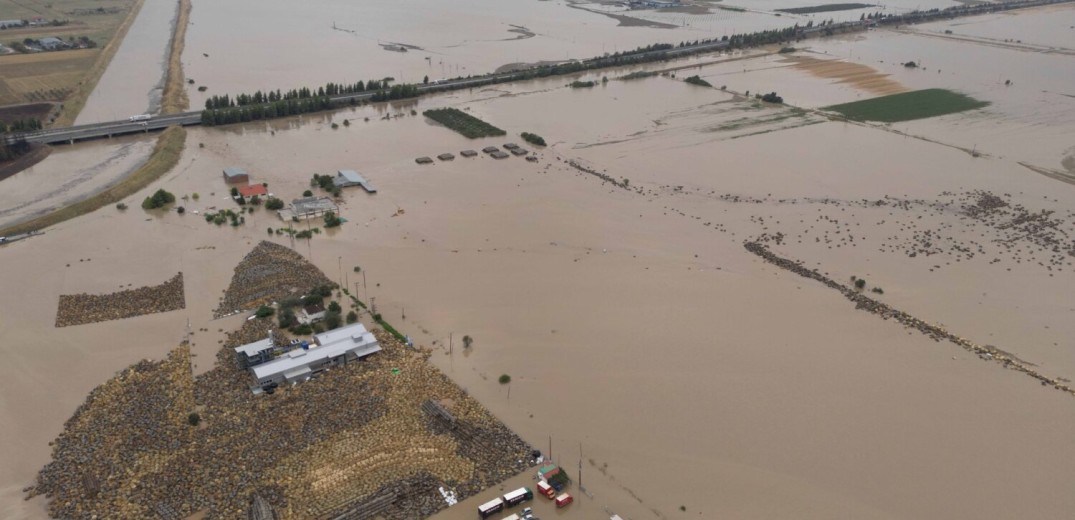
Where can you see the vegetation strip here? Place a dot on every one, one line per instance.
(174, 99)
(463, 123)
(165, 156)
(908, 106)
(823, 8)
(863, 302)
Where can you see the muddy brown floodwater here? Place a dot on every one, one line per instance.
(636, 329)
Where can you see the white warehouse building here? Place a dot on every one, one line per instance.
(335, 347)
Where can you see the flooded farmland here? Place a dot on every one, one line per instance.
(687, 377)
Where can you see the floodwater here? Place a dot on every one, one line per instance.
(643, 341)
(133, 81)
(71, 173)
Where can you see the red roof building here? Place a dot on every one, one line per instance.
(253, 189)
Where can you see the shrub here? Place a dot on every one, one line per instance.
(582, 84)
(302, 330)
(533, 139)
(334, 306)
(274, 203)
(352, 317)
(772, 98)
(194, 419)
(878, 290)
(264, 311)
(158, 200)
(860, 283)
(504, 379)
(696, 80)
(121, 206)
(307, 193)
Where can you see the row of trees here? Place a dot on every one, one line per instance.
(20, 125)
(329, 89)
(232, 111)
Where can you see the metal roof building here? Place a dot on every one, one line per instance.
(345, 178)
(235, 174)
(349, 343)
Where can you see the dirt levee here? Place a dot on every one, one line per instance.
(80, 309)
(269, 272)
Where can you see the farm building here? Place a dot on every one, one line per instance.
(312, 313)
(348, 178)
(335, 347)
(235, 174)
(511, 146)
(254, 189)
(254, 353)
(312, 206)
(518, 150)
(50, 43)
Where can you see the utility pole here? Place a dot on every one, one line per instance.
(339, 264)
(365, 290)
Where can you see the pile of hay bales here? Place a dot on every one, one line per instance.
(269, 273)
(80, 309)
(354, 434)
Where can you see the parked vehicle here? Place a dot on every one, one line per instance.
(564, 499)
(514, 498)
(140, 117)
(490, 508)
(545, 489)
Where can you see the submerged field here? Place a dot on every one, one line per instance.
(908, 106)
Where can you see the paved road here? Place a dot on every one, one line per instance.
(113, 128)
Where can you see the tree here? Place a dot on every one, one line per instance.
(425, 80)
(332, 320)
(158, 200)
(194, 419)
(331, 220)
(334, 306)
(352, 317)
(504, 379)
(467, 341)
(264, 311)
(307, 193)
(274, 203)
(860, 283)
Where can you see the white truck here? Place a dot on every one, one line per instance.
(140, 117)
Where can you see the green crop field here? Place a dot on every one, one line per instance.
(463, 122)
(908, 106)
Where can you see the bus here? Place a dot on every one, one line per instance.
(491, 507)
(518, 496)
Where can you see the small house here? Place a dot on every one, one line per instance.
(307, 207)
(312, 313)
(233, 174)
(254, 189)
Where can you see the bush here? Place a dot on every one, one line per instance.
(194, 419)
(181, 210)
(582, 84)
(352, 317)
(311, 299)
(504, 379)
(533, 139)
(772, 98)
(334, 306)
(878, 290)
(860, 283)
(697, 80)
(302, 330)
(264, 311)
(121, 206)
(286, 318)
(466, 124)
(274, 203)
(307, 193)
(331, 220)
(158, 200)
